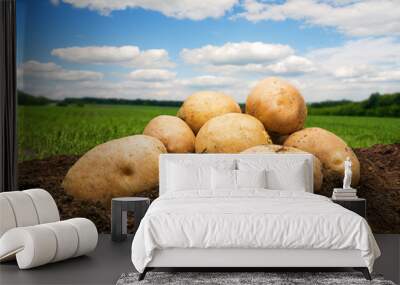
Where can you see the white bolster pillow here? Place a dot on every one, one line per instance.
(87, 235)
(22, 207)
(7, 218)
(26, 208)
(40, 244)
(67, 240)
(33, 246)
(45, 205)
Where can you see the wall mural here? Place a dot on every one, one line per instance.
(105, 87)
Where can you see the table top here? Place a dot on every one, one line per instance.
(130, 199)
(348, 200)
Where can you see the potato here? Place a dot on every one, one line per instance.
(230, 133)
(173, 132)
(120, 167)
(329, 148)
(273, 148)
(200, 107)
(278, 105)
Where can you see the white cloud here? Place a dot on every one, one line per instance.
(374, 59)
(52, 71)
(353, 70)
(372, 76)
(141, 86)
(389, 75)
(370, 51)
(366, 73)
(236, 53)
(292, 65)
(352, 17)
(123, 55)
(350, 70)
(248, 57)
(127, 89)
(356, 18)
(320, 88)
(208, 81)
(97, 54)
(151, 75)
(152, 58)
(180, 9)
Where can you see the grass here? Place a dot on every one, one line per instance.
(359, 131)
(52, 130)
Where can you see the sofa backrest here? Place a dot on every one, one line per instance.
(26, 208)
(278, 162)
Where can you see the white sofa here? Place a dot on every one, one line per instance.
(31, 230)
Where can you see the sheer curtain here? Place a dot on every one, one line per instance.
(8, 101)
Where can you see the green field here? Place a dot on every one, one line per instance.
(52, 130)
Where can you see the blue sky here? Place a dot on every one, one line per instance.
(136, 49)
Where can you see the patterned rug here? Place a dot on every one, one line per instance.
(268, 278)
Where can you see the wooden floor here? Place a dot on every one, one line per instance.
(110, 260)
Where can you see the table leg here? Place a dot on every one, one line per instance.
(117, 222)
(124, 224)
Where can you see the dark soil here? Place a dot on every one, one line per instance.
(48, 174)
(380, 185)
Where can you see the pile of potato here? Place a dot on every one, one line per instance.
(211, 122)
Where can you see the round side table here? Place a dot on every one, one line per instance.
(119, 209)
